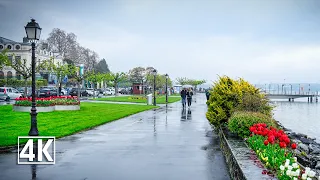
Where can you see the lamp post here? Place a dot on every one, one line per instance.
(154, 72)
(167, 76)
(33, 32)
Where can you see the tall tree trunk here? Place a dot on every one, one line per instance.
(78, 83)
(116, 88)
(25, 87)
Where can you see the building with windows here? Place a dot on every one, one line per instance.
(22, 51)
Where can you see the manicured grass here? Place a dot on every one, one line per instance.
(159, 99)
(61, 123)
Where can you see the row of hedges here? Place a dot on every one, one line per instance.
(21, 83)
(240, 107)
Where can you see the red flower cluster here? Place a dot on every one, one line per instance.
(48, 98)
(273, 135)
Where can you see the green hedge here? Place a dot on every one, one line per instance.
(240, 122)
(21, 83)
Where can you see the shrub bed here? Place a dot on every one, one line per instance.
(274, 148)
(51, 101)
(241, 121)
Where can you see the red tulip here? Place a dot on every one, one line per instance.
(266, 142)
(294, 146)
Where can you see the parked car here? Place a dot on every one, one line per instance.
(91, 90)
(7, 93)
(74, 92)
(45, 92)
(123, 91)
(29, 91)
(108, 92)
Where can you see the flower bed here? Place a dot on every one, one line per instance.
(274, 148)
(47, 104)
(138, 97)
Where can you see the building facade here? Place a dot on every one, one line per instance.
(22, 51)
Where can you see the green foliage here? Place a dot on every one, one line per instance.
(3, 59)
(271, 155)
(21, 83)
(240, 122)
(226, 95)
(255, 102)
(193, 82)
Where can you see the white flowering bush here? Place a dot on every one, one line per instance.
(291, 170)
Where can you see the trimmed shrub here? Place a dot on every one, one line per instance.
(240, 122)
(255, 103)
(226, 95)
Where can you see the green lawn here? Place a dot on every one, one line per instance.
(159, 99)
(61, 123)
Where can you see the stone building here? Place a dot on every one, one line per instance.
(21, 51)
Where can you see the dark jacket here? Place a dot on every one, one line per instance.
(189, 94)
(183, 93)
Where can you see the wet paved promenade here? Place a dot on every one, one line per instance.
(162, 144)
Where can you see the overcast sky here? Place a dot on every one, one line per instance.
(260, 40)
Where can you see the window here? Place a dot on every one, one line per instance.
(9, 46)
(17, 47)
(18, 76)
(10, 59)
(9, 75)
(2, 90)
(1, 46)
(1, 75)
(17, 59)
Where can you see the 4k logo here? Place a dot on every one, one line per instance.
(37, 150)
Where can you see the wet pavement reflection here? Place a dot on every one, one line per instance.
(168, 143)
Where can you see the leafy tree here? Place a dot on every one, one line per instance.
(3, 59)
(59, 69)
(102, 67)
(182, 80)
(137, 74)
(24, 69)
(116, 78)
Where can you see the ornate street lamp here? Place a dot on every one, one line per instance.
(154, 72)
(167, 76)
(33, 32)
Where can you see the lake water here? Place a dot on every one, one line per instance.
(299, 116)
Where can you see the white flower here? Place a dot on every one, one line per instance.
(295, 159)
(295, 178)
(298, 172)
(288, 173)
(309, 178)
(304, 176)
(286, 164)
(295, 173)
(294, 165)
(311, 173)
(287, 161)
(282, 168)
(290, 167)
(307, 169)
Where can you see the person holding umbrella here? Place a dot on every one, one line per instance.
(183, 94)
(189, 96)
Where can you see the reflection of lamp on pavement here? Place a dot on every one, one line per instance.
(167, 76)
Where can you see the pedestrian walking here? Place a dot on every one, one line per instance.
(189, 96)
(183, 94)
(207, 94)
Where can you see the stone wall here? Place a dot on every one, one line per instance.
(242, 162)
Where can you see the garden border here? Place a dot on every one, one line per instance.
(47, 109)
(238, 158)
